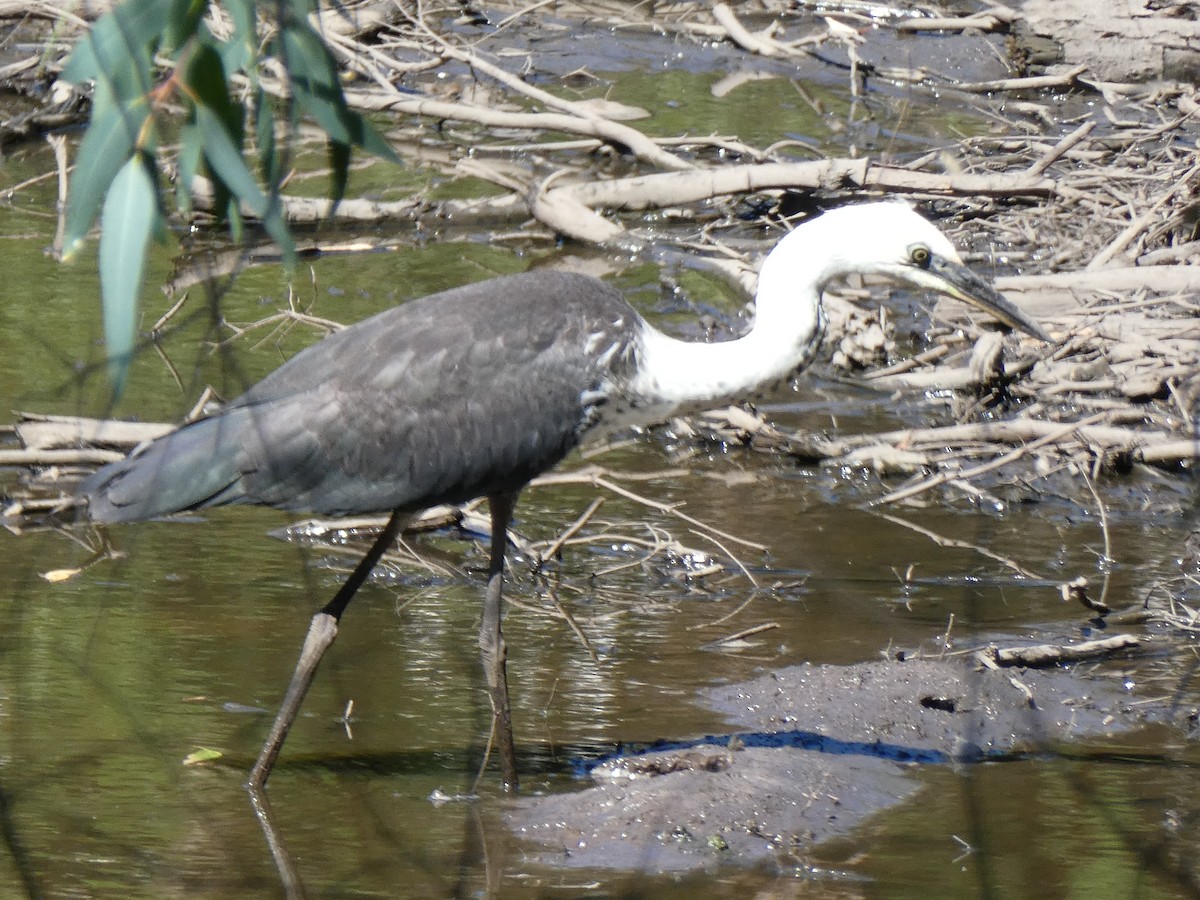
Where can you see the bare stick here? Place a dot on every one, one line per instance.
(672, 509)
(992, 20)
(1108, 557)
(943, 541)
(942, 477)
(1045, 655)
(59, 144)
(574, 625)
(615, 132)
(727, 616)
(729, 639)
(1122, 279)
(1055, 152)
(1034, 83)
(1135, 228)
(58, 457)
(725, 550)
(570, 531)
(1020, 430)
(671, 188)
(763, 46)
(946, 637)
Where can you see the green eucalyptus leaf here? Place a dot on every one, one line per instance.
(191, 149)
(318, 89)
(233, 218)
(226, 163)
(238, 53)
(128, 220)
(224, 158)
(301, 9)
(371, 140)
(236, 56)
(275, 225)
(203, 82)
(314, 78)
(118, 48)
(339, 163)
(245, 21)
(106, 147)
(184, 23)
(264, 130)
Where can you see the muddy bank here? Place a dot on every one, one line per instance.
(813, 752)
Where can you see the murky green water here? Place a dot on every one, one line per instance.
(109, 680)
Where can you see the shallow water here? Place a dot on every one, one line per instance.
(110, 679)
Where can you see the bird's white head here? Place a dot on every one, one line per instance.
(887, 239)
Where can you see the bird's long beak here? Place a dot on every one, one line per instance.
(956, 280)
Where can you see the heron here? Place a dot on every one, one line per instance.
(473, 391)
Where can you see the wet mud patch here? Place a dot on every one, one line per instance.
(814, 752)
(745, 806)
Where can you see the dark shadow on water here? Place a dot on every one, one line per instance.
(796, 740)
(414, 763)
(14, 844)
(577, 760)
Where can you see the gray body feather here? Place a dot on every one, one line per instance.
(465, 393)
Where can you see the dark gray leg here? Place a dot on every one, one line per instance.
(321, 634)
(289, 878)
(492, 649)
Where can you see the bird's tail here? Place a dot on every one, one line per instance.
(186, 469)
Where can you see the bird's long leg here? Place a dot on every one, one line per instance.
(321, 633)
(491, 640)
(289, 878)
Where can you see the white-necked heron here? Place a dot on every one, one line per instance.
(473, 391)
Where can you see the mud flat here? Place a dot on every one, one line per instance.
(813, 752)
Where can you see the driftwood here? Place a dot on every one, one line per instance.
(1043, 656)
(651, 191)
(1031, 291)
(944, 449)
(39, 432)
(41, 458)
(1019, 431)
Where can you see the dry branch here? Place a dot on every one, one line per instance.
(670, 189)
(613, 132)
(762, 44)
(20, 9)
(590, 126)
(1046, 655)
(45, 458)
(992, 20)
(1034, 83)
(313, 210)
(42, 432)
(1031, 434)
(1118, 280)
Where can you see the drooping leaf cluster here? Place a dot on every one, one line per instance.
(147, 58)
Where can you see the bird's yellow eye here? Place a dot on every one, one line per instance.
(920, 255)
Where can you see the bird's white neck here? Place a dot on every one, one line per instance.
(682, 377)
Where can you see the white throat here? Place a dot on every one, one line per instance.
(677, 377)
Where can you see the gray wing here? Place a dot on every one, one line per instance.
(468, 392)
